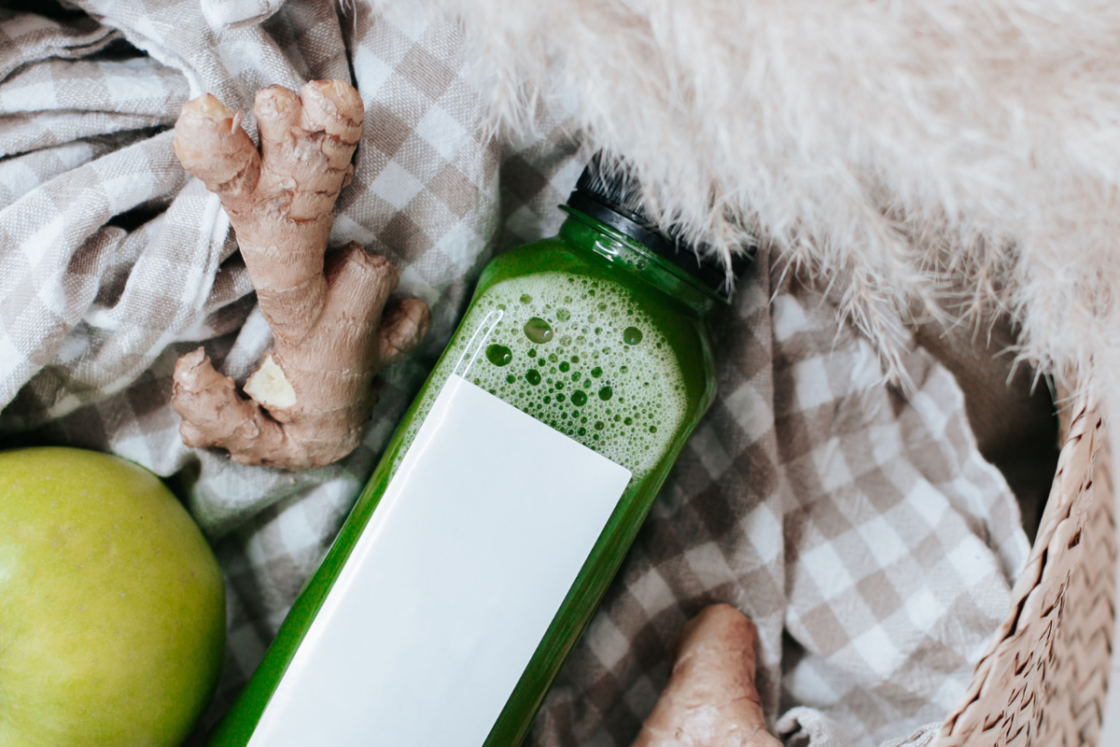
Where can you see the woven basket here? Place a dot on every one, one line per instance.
(1044, 677)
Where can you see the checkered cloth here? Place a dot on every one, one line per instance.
(860, 529)
(862, 532)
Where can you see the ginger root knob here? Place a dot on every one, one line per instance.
(711, 699)
(311, 398)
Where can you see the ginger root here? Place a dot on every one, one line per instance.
(311, 398)
(711, 700)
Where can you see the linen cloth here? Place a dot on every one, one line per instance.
(858, 527)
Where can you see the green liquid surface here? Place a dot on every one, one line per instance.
(584, 358)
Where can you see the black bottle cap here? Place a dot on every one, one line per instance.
(612, 195)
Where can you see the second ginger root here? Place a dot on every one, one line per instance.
(313, 395)
(711, 700)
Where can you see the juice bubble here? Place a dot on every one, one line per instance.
(526, 298)
(538, 330)
(631, 335)
(605, 393)
(533, 376)
(565, 367)
(596, 372)
(579, 399)
(563, 314)
(499, 355)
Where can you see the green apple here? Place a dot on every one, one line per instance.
(112, 607)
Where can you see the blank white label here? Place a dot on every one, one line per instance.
(452, 585)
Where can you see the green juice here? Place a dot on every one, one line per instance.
(590, 333)
(576, 351)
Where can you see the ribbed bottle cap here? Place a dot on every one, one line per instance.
(609, 193)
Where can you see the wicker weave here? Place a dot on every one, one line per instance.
(1043, 680)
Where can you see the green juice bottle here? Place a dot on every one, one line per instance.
(505, 501)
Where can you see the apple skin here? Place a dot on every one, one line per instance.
(112, 605)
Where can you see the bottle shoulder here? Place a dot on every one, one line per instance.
(560, 255)
(535, 258)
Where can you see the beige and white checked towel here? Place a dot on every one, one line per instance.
(861, 530)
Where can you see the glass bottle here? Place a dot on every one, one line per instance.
(506, 500)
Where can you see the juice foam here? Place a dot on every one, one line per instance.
(577, 354)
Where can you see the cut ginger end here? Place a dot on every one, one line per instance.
(270, 387)
(711, 699)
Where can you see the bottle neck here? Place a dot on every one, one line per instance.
(629, 256)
